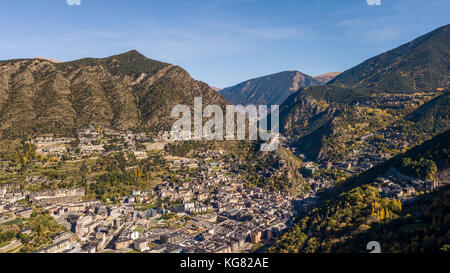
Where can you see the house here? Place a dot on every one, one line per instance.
(56, 248)
(173, 238)
(255, 237)
(89, 248)
(141, 245)
(122, 243)
(171, 248)
(24, 213)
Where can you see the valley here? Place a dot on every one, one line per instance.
(88, 164)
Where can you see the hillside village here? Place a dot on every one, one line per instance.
(214, 213)
(88, 164)
(202, 204)
(105, 190)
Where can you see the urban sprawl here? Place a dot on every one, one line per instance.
(214, 211)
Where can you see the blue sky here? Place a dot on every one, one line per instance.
(221, 42)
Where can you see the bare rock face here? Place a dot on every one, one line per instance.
(126, 91)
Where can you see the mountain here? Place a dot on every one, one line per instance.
(48, 59)
(125, 91)
(432, 117)
(425, 232)
(346, 218)
(268, 90)
(328, 122)
(325, 78)
(422, 64)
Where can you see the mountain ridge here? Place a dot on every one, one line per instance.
(267, 90)
(326, 77)
(320, 119)
(406, 67)
(124, 91)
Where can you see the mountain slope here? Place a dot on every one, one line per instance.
(432, 117)
(126, 91)
(325, 78)
(422, 64)
(268, 90)
(425, 233)
(328, 122)
(344, 219)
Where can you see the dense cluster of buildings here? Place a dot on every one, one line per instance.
(396, 185)
(213, 212)
(92, 141)
(205, 207)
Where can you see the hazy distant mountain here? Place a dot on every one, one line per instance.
(325, 78)
(126, 91)
(48, 59)
(268, 90)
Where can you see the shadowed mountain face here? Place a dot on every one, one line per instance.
(386, 91)
(400, 96)
(316, 230)
(268, 90)
(126, 91)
